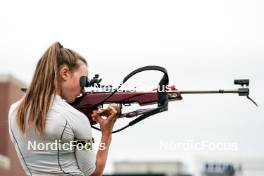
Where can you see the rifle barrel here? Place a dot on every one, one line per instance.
(220, 91)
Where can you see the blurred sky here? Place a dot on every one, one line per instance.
(204, 44)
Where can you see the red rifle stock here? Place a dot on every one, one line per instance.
(86, 103)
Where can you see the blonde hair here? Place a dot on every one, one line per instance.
(44, 85)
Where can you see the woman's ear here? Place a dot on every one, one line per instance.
(65, 73)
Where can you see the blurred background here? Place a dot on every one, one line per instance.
(204, 44)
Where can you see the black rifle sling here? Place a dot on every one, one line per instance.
(161, 94)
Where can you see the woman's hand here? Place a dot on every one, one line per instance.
(106, 126)
(111, 114)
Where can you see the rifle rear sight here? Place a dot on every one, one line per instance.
(94, 82)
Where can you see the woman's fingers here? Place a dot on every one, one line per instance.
(106, 124)
(118, 109)
(113, 113)
(104, 112)
(109, 111)
(96, 117)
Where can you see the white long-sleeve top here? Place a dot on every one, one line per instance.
(51, 153)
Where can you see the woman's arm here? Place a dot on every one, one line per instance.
(102, 154)
(106, 127)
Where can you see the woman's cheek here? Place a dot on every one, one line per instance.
(73, 86)
(77, 86)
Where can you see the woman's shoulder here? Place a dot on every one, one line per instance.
(61, 107)
(13, 107)
(61, 111)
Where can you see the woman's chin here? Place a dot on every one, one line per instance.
(70, 100)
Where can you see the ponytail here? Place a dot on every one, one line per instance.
(44, 85)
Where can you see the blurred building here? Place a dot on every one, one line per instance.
(170, 168)
(225, 165)
(9, 93)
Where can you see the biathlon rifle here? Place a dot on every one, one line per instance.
(161, 96)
